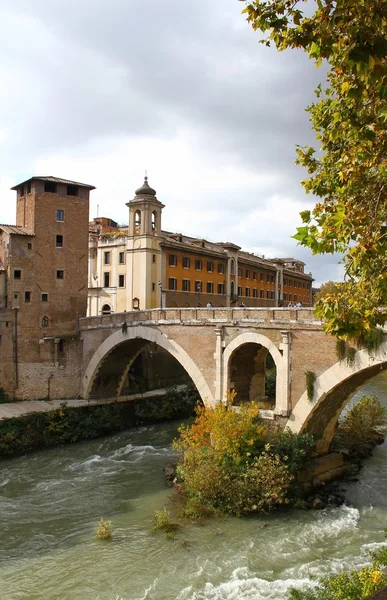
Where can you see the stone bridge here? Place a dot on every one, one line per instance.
(224, 349)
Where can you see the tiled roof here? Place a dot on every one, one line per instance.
(15, 230)
(56, 180)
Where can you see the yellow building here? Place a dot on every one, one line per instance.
(141, 266)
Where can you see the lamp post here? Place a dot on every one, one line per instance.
(199, 289)
(161, 294)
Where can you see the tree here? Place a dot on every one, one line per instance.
(348, 173)
(327, 289)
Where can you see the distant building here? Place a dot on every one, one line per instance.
(141, 266)
(43, 288)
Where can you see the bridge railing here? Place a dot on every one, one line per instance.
(203, 315)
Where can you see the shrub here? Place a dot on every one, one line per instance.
(296, 449)
(341, 349)
(310, 379)
(351, 355)
(104, 530)
(363, 426)
(229, 464)
(162, 522)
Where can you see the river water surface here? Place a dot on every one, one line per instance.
(51, 501)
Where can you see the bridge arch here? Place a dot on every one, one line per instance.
(280, 362)
(144, 334)
(332, 391)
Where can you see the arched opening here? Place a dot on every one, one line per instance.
(137, 221)
(107, 374)
(45, 322)
(332, 391)
(106, 309)
(154, 222)
(232, 267)
(252, 375)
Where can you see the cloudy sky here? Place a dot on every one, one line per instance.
(99, 90)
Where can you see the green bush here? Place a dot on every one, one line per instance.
(363, 425)
(351, 585)
(232, 463)
(104, 530)
(162, 522)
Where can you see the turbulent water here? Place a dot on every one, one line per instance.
(50, 504)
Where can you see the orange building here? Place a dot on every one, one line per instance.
(143, 266)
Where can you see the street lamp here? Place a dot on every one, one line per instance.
(161, 293)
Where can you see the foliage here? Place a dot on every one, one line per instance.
(104, 530)
(327, 289)
(175, 403)
(362, 427)
(296, 449)
(351, 355)
(341, 350)
(348, 173)
(371, 340)
(162, 522)
(233, 463)
(352, 585)
(310, 379)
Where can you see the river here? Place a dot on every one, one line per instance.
(51, 501)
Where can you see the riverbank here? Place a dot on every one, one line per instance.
(55, 423)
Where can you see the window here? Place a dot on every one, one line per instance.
(272, 295)
(60, 274)
(59, 241)
(154, 222)
(153, 258)
(29, 246)
(272, 278)
(255, 275)
(72, 190)
(198, 264)
(262, 277)
(50, 187)
(121, 258)
(267, 277)
(247, 273)
(303, 284)
(239, 290)
(285, 281)
(186, 285)
(220, 288)
(268, 295)
(61, 346)
(106, 310)
(28, 191)
(45, 322)
(27, 296)
(210, 287)
(153, 287)
(198, 286)
(239, 272)
(255, 293)
(17, 274)
(220, 268)
(172, 260)
(261, 293)
(232, 267)
(106, 258)
(106, 279)
(210, 266)
(44, 297)
(248, 292)
(137, 221)
(186, 262)
(60, 214)
(285, 297)
(121, 281)
(172, 283)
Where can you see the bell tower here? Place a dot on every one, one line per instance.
(144, 251)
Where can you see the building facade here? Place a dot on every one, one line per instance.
(142, 266)
(43, 288)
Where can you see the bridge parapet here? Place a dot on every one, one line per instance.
(276, 318)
